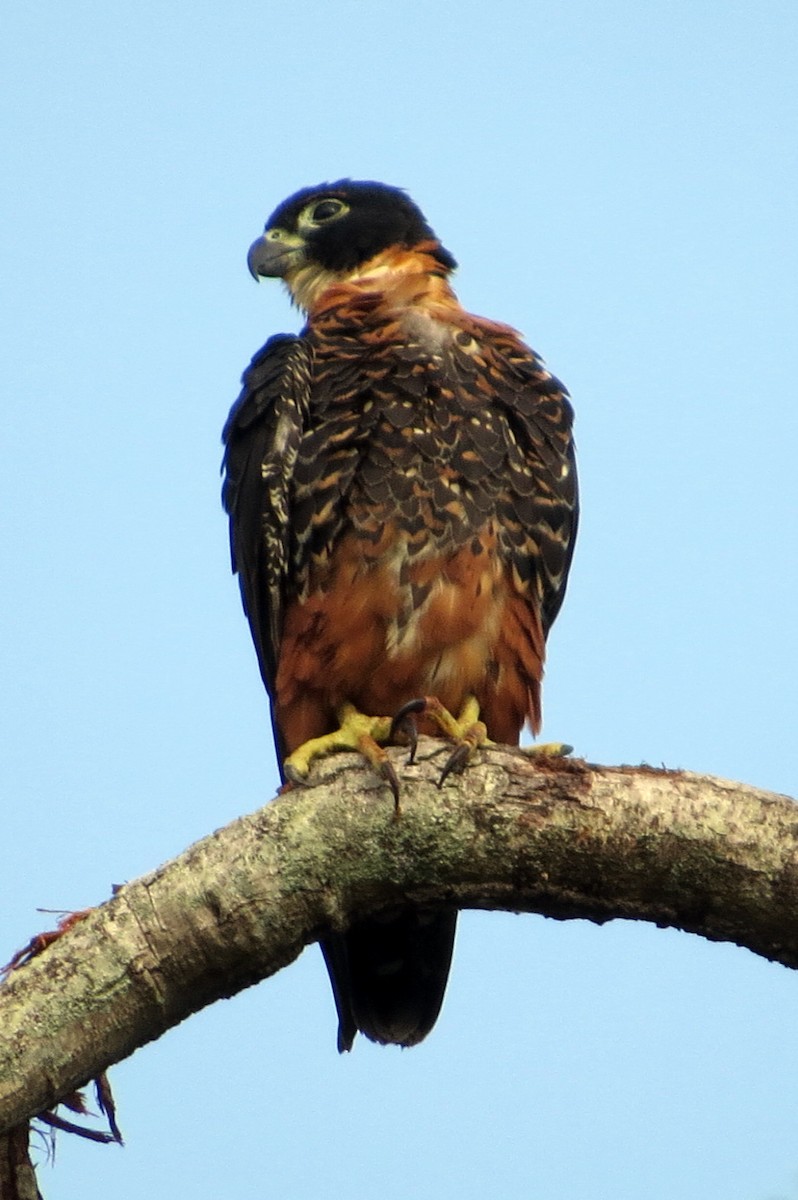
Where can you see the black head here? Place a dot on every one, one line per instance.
(338, 226)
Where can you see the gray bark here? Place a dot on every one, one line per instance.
(558, 837)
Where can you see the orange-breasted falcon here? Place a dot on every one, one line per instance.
(401, 486)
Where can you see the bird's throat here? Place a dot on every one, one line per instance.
(401, 277)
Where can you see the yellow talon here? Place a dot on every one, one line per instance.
(458, 727)
(357, 731)
(548, 750)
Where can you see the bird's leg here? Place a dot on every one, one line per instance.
(465, 730)
(357, 731)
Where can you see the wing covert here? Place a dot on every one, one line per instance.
(539, 528)
(261, 439)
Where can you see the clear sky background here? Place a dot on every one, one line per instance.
(618, 180)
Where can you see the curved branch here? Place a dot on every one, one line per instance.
(557, 837)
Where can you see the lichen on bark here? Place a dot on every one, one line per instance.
(559, 837)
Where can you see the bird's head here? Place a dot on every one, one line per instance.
(328, 234)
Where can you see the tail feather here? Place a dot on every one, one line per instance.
(389, 974)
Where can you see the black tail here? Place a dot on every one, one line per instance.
(389, 974)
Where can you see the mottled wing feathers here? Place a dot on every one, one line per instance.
(539, 512)
(262, 437)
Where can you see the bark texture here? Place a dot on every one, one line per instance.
(558, 837)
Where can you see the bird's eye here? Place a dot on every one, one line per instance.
(325, 210)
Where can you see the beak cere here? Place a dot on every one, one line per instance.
(272, 257)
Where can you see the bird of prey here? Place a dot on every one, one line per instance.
(401, 486)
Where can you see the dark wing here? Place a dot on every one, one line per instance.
(261, 439)
(539, 523)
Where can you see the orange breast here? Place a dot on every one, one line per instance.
(383, 624)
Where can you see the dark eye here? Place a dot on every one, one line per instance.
(326, 209)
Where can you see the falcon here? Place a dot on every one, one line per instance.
(401, 487)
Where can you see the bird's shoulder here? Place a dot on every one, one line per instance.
(281, 368)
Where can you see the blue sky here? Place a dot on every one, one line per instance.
(617, 180)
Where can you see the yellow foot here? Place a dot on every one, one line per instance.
(356, 732)
(466, 730)
(548, 750)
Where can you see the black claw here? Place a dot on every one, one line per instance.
(392, 779)
(411, 729)
(403, 722)
(412, 707)
(455, 762)
(407, 726)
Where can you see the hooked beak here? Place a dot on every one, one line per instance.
(274, 255)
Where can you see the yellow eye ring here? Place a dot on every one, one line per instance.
(319, 212)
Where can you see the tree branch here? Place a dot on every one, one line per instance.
(557, 837)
